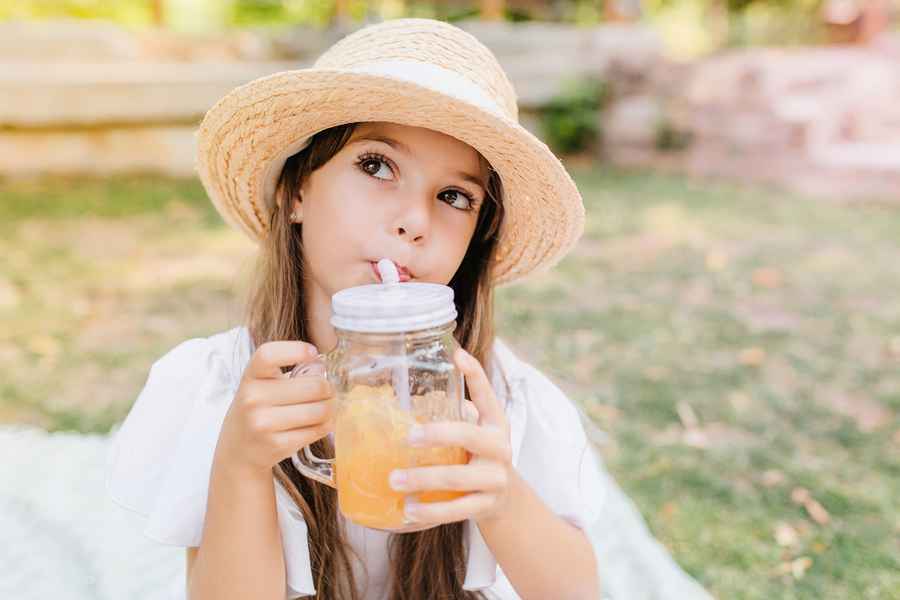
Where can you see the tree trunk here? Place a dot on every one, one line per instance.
(492, 10)
(158, 12)
(342, 11)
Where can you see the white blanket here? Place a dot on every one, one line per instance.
(64, 538)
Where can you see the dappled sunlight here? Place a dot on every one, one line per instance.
(710, 360)
(728, 321)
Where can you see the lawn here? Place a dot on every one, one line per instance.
(740, 346)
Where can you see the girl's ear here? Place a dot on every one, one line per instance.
(297, 212)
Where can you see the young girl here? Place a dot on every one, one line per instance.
(402, 142)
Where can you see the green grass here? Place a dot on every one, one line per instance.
(767, 323)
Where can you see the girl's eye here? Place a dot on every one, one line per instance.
(373, 164)
(457, 199)
(379, 167)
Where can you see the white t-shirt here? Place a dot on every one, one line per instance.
(371, 545)
(160, 459)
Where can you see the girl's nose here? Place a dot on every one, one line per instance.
(414, 222)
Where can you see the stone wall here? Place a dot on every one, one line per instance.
(824, 121)
(92, 98)
(79, 98)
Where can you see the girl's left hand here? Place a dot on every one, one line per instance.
(489, 471)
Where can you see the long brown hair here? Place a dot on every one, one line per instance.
(425, 564)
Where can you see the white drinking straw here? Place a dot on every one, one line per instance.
(389, 276)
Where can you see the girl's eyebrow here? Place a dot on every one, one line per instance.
(471, 179)
(395, 144)
(401, 147)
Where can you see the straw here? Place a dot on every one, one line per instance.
(389, 276)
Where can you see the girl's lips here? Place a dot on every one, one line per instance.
(402, 271)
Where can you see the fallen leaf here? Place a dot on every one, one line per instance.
(800, 495)
(767, 277)
(800, 566)
(772, 477)
(687, 415)
(668, 510)
(752, 357)
(815, 510)
(786, 535)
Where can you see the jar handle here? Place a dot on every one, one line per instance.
(307, 463)
(316, 366)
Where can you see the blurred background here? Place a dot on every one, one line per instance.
(729, 320)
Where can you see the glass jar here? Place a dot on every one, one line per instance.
(392, 367)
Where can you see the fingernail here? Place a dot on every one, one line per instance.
(398, 480)
(416, 435)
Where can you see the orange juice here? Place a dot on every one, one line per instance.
(370, 442)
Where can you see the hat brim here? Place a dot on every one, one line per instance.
(254, 127)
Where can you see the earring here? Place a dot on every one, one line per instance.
(295, 218)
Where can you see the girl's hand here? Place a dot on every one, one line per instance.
(272, 415)
(486, 476)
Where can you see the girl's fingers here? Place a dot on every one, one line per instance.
(296, 416)
(295, 439)
(449, 512)
(269, 358)
(470, 413)
(299, 390)
(485, 442)
(480, 389)
(457, 478)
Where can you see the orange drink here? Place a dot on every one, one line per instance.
(370, 442)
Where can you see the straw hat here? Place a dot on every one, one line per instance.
(417, 72)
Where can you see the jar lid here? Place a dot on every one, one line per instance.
(393, 307)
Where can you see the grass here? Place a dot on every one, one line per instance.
(738, 344)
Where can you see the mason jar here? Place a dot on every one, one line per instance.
(392, 367)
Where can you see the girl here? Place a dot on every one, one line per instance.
(402, 142)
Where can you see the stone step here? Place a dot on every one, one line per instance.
(859, 157)
(36, 95)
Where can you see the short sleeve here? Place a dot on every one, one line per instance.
(556, 457)
(160, 458)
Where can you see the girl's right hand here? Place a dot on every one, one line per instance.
(272, 415)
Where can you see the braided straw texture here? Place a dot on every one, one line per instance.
(247, 131)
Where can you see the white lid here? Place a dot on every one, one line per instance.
(393, 307)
